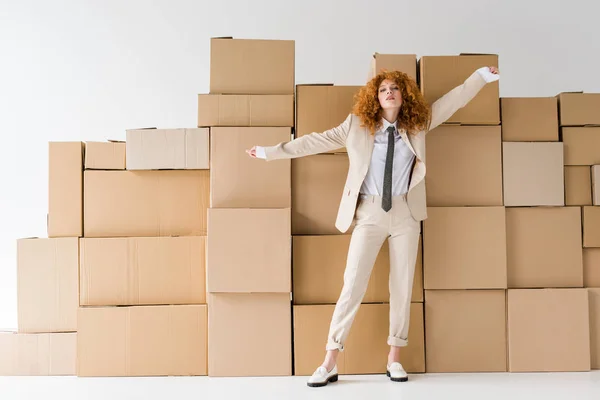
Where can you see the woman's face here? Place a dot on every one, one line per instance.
(389, 94)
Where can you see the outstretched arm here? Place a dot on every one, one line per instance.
(460, 96)
(306, 145)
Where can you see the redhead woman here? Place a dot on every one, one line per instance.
(384, 194)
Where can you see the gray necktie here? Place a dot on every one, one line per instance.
(386, 201)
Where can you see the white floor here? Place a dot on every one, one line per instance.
(513, 386)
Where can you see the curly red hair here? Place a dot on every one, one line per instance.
(414, 113)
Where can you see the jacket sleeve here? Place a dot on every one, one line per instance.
(310, 144)
(443, 108)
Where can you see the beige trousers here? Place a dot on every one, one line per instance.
(373, 227)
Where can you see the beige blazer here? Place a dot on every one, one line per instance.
(359, 145)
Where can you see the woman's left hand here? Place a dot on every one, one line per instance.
(494, 70)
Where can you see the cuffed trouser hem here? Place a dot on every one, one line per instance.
(397, 342)
(334, 346)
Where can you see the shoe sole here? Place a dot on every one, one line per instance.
(405, 379)
(332, 379)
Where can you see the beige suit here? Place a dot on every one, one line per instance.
(401, 225)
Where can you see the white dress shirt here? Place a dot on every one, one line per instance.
(402, 166)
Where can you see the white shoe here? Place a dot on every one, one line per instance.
(396, 373)
(321, 377)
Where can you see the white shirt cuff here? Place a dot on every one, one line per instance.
(260, 152)
(485, 73)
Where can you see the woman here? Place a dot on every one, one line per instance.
(384, 194)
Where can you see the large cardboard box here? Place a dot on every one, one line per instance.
(47, 285)
(441, 74)
(465, 248)
(591, 267)
(548, 330)
(594, 303)
(533, 174)
(596, 184)
(366, 349)
(464, 166)
(246, 66)
(579, 109)
(245, 110)
(153, 149)
(144, 270)
(253, 329)
(239, 181)
(544, 247)
(319, 263)
(249, 250)
(578, 186)
(529, 119)
(146, 203)
(142, 341)
(105, 155)
(65, 191)
(39, 354)
(317, 188)
(581, 145)
(465, 330)
(591, 226)
(406, 63)
(322, 107)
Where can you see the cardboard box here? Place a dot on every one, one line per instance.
(142, 341)
(65, 191)
(245, 66)
(245, 110)
(40, 354)
(465, 330)
(464, 166)
(465, 248)
(544, 247)
(579, 109)
(441, 74)
(594, 304)
(249, 250)
(105, 155)
(596, 184)
(254, 329)
(47, 285)
(141, 271)
(153, 149)
(591, 267)
(365, 350)
(319, 263)
(146, 203)
(581, 145)
(322, 107)
(529, 119)
(548, 330)
(578, 186)
(533, 174)
(591, 226)
(239, 181)
(317, 188)
(406, 63)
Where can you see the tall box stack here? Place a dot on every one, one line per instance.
(580, 133)
(142, 292)
(320, 251)
(464, 236)
(251, 102)
(543, 227)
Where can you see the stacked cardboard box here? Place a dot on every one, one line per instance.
(142, 291)
(320, 251)
(464, 236)
(251, 102)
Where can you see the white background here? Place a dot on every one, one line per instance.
(88, 70)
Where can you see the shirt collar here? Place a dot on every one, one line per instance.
(386, 124)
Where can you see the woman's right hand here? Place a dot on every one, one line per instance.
(252, 152)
